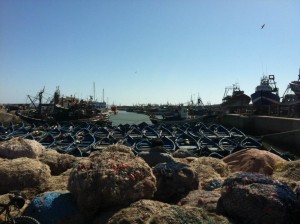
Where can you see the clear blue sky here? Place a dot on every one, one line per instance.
(139, 51)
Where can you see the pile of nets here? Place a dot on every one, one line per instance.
(147, 211)
(253, 160)
(211, 172)
(110, 178)
(255, 198)
(57, 162)
(174, 181)
(20, 147)
(19, 174)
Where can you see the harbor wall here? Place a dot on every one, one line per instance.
(277, 130)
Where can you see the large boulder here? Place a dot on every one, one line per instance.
(110, 179)
(174, 181)
(20, 147)
(57, 162)
(253, 160)
(255, 198)
(21, 173)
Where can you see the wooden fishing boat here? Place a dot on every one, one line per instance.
(250, 142)
(186, 141)
(169, 144)
(149, 133)
(165, 132)
(135, 133)
(143, 145)
(101, 133)
(85, 142)
(207, 144)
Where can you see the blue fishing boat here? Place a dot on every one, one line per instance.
(149, 133)
(169, 144)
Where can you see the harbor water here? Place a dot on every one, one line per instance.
(124, 117)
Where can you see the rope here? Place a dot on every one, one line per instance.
(279, 133)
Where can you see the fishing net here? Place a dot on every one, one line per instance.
(21, 173)
(19, 147)
(184, 214)
(57, 162)
(217, 165)
(182, 153)
(255, 198)
(59, 182)
(118, 148)
(289, 170)
(52, 207)
(210, 171)
(110, 179)
(138, 212)
(253, 160)
(203, 199)
(174, 181)
(153, 158)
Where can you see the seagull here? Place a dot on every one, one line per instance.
(262, 26)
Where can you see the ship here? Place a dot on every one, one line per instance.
(266, 93)
(234, 98)
(291, 98)
(295, 85)
(61, 109)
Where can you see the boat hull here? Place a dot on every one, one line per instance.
(261, 98)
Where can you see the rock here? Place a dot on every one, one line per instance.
(19, 147)
(52, 207)
(253, 160)
(255, 198)
(110, 179)
(57, 162)
(21, 173)
(174, 181)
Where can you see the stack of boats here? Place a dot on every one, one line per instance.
(82, 139)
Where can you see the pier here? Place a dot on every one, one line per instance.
(281, 131)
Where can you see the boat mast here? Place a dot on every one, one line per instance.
(103, 95)
(94, 91)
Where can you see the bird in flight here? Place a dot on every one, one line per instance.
(262, 26)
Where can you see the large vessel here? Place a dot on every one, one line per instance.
(266, 93)
(295, 85)
(291, 98)
(237, 98)
(60, 109)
